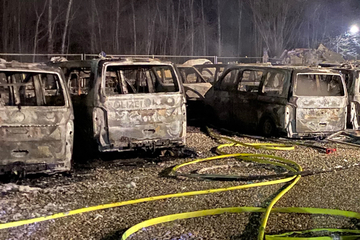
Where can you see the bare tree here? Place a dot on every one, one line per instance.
(175, 26)
(117, 26)
(50, 34)
(219, 26)
(38, 19)
(19, 27)
(5, 25)
(93, 37)
(203, 27)
(240, 5)
(66, 26)
(276, 22)
(170, 26)
(192, 28)
(151, 27)
(134, 25)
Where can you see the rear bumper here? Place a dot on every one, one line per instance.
(32, 168)
(144, 145)
(310, 135)
(291, 132)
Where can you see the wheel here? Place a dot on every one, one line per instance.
(267, 127)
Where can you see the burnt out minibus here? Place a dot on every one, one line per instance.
(292, 101)
(127, 104)
(36, 119)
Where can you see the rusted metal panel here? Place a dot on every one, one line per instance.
(36, 119)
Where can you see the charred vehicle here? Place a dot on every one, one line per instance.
(211, 72)
(195, 86)
(127, 104)
(294, 101)
(36, 119)
(77, 76)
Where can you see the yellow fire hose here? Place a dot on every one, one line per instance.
(289, 165)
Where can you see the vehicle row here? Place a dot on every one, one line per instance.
(110, 104)
(129, 104)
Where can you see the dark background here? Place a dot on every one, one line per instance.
(177, 27)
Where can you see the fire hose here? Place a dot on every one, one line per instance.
(291, 178)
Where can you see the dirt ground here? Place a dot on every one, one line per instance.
(120, 177)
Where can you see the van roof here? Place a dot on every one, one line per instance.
(350, 67)
(125, 61)
(288, 67)
(15, 65)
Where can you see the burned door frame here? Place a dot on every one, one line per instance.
(215, 77)
(244, 102)
(353, 89)
(354, 101)
(221, 103)
(183, 74)
(273, 106)
(194, 91)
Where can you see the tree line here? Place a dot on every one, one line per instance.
(171, 27)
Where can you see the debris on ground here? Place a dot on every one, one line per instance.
(308, 56)
(347, 137)
(4, 188)
(106, 181)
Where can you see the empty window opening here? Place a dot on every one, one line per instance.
(250, 81)
(30, 89)
(140, 79)
(319, 85)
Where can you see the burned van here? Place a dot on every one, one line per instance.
(128, 104)
(36, 119)
(351, 74)
(212, 72)
(294, 101)
(195, 86)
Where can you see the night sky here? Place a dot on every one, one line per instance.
(177, 27)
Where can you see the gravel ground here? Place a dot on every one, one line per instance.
(120, 178)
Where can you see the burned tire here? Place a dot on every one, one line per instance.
(267, 127)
